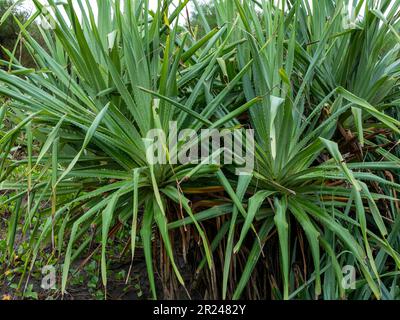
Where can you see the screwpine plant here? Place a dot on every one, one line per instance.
(316, 80)
(301, 175)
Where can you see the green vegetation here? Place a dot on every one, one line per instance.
(10, 40)
(316, 80)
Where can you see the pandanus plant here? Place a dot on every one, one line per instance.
(326, 79)
(91, 102)
(317, 87)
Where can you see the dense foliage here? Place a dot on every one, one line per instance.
(316, 80)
